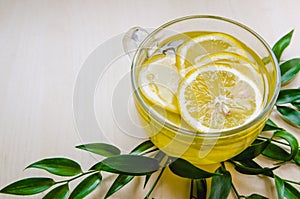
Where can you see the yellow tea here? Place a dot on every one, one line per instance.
(201, 90)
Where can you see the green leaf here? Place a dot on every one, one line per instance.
(134, 165)
(290, 114)
(296, 105)
(58, 166)
(28, 186)
(290, 192)
(279, 187)
(250, 163)
(60, 192)
(288, 96)
(289, 69)
(292, 141)
(250, 167)
(102, 149)
(201, 188)
(255, 196)
(253, 150)
(275, 152)
(142, 147)
(281, 44)
(254, 171)
(86, 186)
(221, 184)
(147, 178)
(270, 126)
(119, 182)
(297, 158)
(185, 169)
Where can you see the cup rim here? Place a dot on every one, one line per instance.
(169, 125)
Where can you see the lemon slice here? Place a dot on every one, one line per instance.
(158, 80)
(218, 98)
(236, 61)
(192, 50)
(241, 63)
(224, 57)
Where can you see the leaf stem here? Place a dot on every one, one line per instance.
(273, 140)
(76, 177)
(235, 191)
(155, 183)
(192, 189)
(223, 165)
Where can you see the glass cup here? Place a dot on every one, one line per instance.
(167, 130)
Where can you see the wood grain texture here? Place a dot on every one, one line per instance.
(43, 47)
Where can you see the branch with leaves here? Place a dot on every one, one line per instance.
(144, 160)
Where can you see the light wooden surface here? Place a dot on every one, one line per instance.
(44, 45)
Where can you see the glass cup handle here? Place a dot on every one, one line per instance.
(132, 39)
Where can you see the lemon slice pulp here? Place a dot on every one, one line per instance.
(217, 98)
(191, 51)
(158, 80)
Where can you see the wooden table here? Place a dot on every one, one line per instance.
(45, 45)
